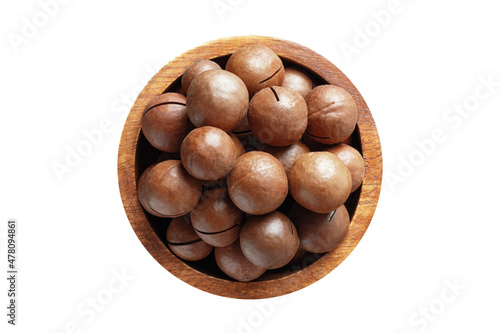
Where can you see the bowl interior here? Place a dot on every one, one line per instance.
(146, 155)
(136, 154)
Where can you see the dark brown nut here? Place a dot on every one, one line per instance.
(320, 182)
(278, 116)
(258, 183)
(231, 261)
(349, 141)
(238, 146)
(269, 241)
(353, 160)
(222, 182)
(184, 242)
(243, 127)
(167, 190)
(217, 98)
(245, 135)
(216, 219)
(215, 183)
(288, 155)
(297, 80)
(320, 233)
(303, 258)
(141, 192)
(196, 68)
(312, 144)
(208, 153)
(299, 256)
(316, 146)
(165, 122)
(332, 114)
(258, 66)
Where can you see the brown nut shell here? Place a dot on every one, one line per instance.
(320, 233)
(258, 66)
(332, 114)
(269, 241)
(141, 192)
(167, 190)
(217, 98)
(231, 261)
(208, 153)
(216, 219)
(258, 183)
(353, 160)
(184, 242)
(278, 116)
(312, 144)
(165, 122)
(288, 155)
(320, 181)
(238, 146)
(240, 150)
(297, 80)
(303, 258)
(196, 68)
(243, 127)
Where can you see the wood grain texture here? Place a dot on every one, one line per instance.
(274, 283)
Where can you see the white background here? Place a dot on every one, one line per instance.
(436, 224)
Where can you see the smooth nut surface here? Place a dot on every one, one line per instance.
(353, 160)
(269, 241)
(332, 114)
(165, 122)
(320, 233)
(142, 192)
(231, 261)
(320, 182)
(297, 80)
(303, 258)
(208, 153)
(216, 219)
(238, 146)
(242, 128)
(258, 183)
(240, 150)
(167, 190)
(258, 66)
(278, 116)
(196, 68)
(217, 98)
(184, 242)
(288, 155)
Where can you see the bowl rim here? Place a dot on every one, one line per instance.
(368, 198)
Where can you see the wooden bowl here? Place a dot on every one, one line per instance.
(135, 154)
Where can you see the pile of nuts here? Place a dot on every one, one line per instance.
(222, 194)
